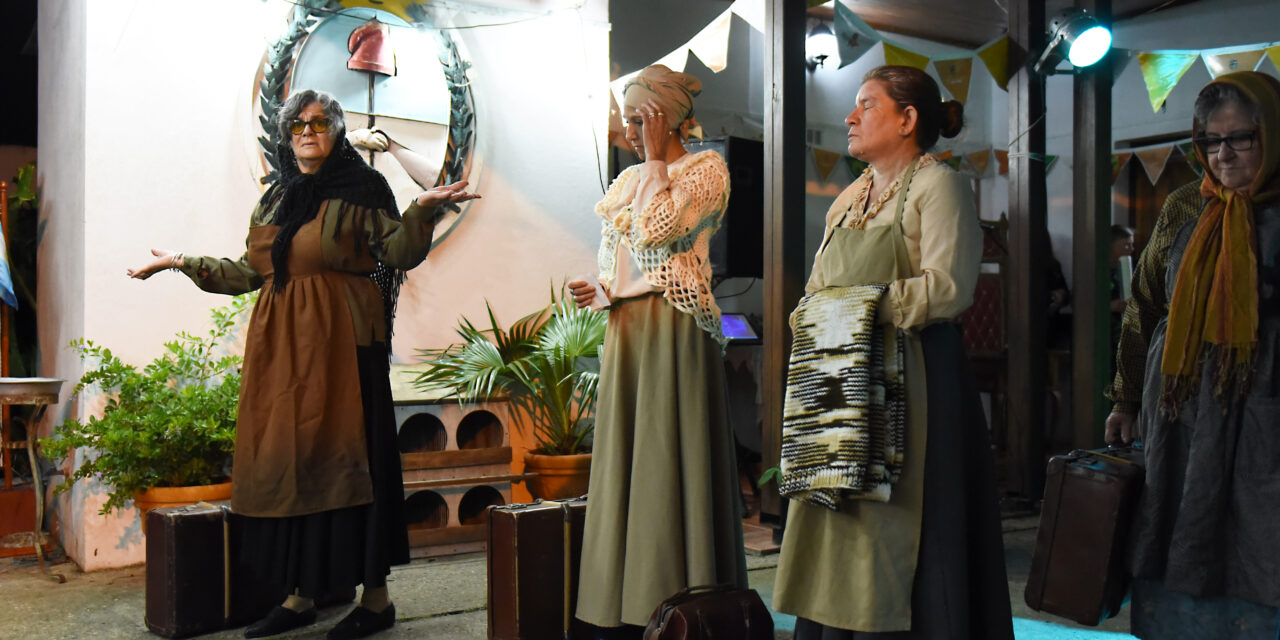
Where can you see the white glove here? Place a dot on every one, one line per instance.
(371, 139)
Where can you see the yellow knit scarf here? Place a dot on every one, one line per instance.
(1215, 297)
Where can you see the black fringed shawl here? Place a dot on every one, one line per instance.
(343, 176)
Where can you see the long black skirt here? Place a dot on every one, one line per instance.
(961, 589)
(327, 552)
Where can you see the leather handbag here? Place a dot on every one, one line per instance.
(720, 612)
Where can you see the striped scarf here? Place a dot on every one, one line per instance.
(844, 417)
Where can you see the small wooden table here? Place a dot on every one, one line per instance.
(40, 393)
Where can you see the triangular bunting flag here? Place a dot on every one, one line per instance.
(893, 54)
(1154, 161)
(953, 162)
(1048, 163)
(996, 56)
(752, 11)
(943, 155)
(980, 160)
(1162, 70)
(676, 60)
(853, 36)
(955, 76)
(856, 166)
(1118, 161)
(825, 161)
(1002, 160)
(1274, 54)
(1189, 154)
(1226, 60)
(711, 45)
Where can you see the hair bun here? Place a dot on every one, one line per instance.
(952, 118)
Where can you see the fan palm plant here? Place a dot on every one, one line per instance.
(545, 363)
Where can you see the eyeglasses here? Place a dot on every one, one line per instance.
(1235, 142)
(318, 125)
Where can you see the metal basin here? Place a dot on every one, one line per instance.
(30, 390)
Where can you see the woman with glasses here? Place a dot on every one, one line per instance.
(317, 470)
(1207, 555)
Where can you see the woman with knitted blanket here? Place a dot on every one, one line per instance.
(317, 469)
(921, 558)
(1206, 555)
(663, 513)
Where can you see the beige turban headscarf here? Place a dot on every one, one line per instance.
(672, 90)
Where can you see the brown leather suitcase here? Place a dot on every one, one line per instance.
(711, 613)
(194, 580)
(1077, 568)
(534, 551)
(186, 558)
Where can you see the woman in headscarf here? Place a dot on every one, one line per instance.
(1207, 554)
(900, 538)
(317, 469)
(663, 513)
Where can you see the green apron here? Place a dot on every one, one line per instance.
(854, 568)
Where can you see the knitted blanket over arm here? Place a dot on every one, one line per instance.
(671, 236)
(844, 417)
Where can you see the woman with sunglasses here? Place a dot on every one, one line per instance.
(1206, 553)
(317, 469)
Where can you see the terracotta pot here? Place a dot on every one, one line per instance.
(157, 497)
(558, 477)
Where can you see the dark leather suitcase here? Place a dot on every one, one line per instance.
(194, 580)
(711, 613)
(1078, 567)
(186, 565)
(534, 551)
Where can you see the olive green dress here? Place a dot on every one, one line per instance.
(928, 563)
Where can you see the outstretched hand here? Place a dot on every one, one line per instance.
(162, 260)
(449, 193)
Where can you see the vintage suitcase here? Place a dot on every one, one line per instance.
(194, 581)
(1078, 567)
(711, 613)
(533, 568)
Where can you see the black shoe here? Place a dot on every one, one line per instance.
(362, 622)
(280, 620)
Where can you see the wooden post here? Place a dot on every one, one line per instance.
(1026, 309)
(784, 219)
(1091, 243)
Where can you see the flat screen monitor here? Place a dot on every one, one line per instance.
(737, 329)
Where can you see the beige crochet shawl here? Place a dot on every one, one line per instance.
(671, 236)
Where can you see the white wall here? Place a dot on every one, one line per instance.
(144, 134)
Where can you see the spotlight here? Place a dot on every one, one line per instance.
(1076, 35)
(819, 45)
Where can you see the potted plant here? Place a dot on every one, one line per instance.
(167, 431)
(547, 366)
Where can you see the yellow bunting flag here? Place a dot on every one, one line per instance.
(893, 54)
(1274, 54)
(397, 8)
(980, 160)
(825, 161)
(996, 56)
(856, 166)
(1118, 161)
(711, 45)
(1220, 61)
(1162, 70)
(1154, 161)
(955, 76)
(1002, 160)
(853, 36)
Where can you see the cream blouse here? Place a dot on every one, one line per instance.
(943, 238)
